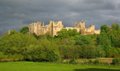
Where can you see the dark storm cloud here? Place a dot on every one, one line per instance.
(15, 14)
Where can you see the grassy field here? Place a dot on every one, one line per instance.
(36, 66)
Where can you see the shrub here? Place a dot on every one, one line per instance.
(90, 62)
(72, 61)
(51, 56)
(116, 61)
(96, 62)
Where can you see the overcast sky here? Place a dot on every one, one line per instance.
(15, 14)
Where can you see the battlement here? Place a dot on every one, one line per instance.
(54, 27)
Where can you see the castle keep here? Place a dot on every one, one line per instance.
(53, 28)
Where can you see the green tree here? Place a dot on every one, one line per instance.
(115, 26)
(24, 30)
(67, 33)
(105, 29)
(115, 35)
(15, 43)
(86, 46)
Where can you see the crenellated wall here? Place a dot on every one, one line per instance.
(54, 27)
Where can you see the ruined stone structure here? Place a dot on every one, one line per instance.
(53, 28)
(82, 29)
(39, 28)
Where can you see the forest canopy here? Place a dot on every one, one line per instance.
(69, 44)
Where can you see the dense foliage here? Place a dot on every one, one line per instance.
(69, 44)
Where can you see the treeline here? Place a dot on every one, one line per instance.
(69, 44)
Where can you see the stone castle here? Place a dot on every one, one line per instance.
(53, 28)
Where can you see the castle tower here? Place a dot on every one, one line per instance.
(54, 27)
(35, 28)
(80, 26)
(90, 29)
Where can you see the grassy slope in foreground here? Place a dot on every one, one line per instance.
(36, 66)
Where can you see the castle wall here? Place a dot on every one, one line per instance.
(56, 27)
(97, 31)
(53, 28)
(85, 31)
(90, 29)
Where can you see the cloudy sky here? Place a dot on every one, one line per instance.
(15, 14)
